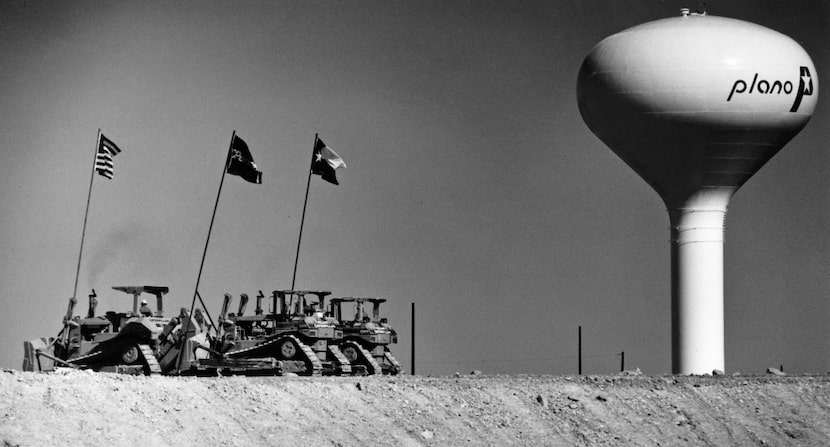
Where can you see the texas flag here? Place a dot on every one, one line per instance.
(325, 161)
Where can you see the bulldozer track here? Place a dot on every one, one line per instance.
(367, 357)
(150, 358)
(316, 366)
(392, 360)
(96, 358)
(342, 362)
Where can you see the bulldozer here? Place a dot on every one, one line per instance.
(126, 342)
(139, 342)
(295, 331)
(186, 350)
(296, 335)
(366, 337)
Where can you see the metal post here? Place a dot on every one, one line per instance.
(622, 361)
(580, 350)
(412, 353)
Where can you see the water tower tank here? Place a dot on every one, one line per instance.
(696, 104)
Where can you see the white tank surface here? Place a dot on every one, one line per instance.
(697, 104)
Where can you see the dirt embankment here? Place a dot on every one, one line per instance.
(84, 408)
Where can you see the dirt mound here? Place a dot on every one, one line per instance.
(71, 407)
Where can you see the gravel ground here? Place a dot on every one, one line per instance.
(70, 407)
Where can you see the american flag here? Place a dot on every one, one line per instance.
(103, 160)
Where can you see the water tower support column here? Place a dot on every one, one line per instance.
(697, 286)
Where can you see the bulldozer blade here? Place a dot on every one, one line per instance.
(32, 361)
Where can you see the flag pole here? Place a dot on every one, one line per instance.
(86, 213)
(213, 216)
(186, 325)
(302, 219)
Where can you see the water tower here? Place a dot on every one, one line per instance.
(696, 105)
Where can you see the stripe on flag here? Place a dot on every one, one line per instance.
(103, 159)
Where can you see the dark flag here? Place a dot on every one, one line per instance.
(241, 163)
(325, 161)
(103, 159)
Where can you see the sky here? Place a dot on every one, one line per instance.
(473, 188)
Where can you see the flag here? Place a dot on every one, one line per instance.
(325, 161)
(103, 159)
(241, 163)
